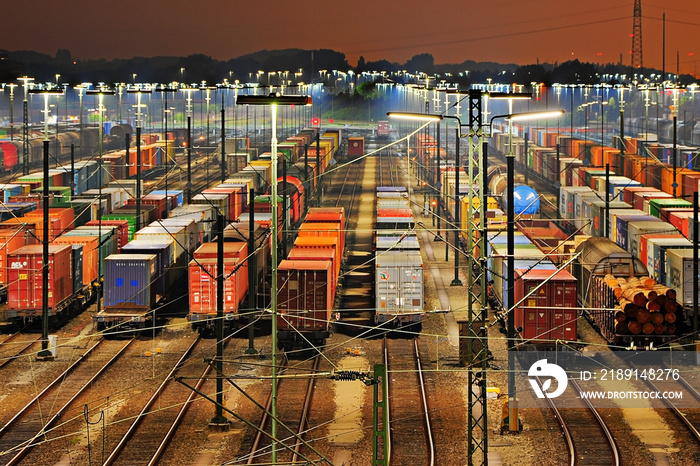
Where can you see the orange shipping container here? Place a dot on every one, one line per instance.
(90, 254)
(66, 217)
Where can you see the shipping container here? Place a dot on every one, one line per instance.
(658, 250)
(89, 255)
(25, 288)
(545, 305)
(635, 230)
(305, 299)
(10, 241)
(166, 274)
(203, 275)
(679, 274)
(122, 229)
(399, 286)
(128, 281)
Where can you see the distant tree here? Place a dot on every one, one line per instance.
(361, 65)
(368, 90)
(422, 62)
(532, 73)
(63, 57)
(575, 72)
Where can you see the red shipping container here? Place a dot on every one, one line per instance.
(682, 221)
(90, 254)
(305, 297)
(234, 250)
(25, 288)
(319, 254)
(123, 229)
(537, 316)
(690, 184)
(356, 146)
(11, 240)
(203, 286)
(156, 200)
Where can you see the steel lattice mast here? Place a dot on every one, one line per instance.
(637, 61)
(477, 308)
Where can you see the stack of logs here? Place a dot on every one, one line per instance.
(646, 307)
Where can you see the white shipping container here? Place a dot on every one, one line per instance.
(679, 274)
(399, 285)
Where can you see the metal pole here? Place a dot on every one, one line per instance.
(318, 169)
(252, 274)
(607, 200)
(286, 218)
(189, 159)
(456, 281)
(72, 170)
(99, 207)
(273, 148)
(45, 353)
(223, 140)
(675, 152)
(219, 419)
(167, 168)
(696, 242)
(438, 186)
(558, 181)
(512, 402)
(138, 176)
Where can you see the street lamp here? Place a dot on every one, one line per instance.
(510, 215)
(12, 109)
(25, 128)
(273, 101)
(100, 93)
(138, 106)
(45, 353)
(438, 117)
(189, 91)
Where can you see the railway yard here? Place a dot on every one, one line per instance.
(369, 329)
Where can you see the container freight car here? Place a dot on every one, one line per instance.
(66, 295)
(203, 273)
(398, 271)
(305, 302)
(545, 306)
(130, 294)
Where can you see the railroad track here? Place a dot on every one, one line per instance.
(33, 423)
(588, 439)
(11, 349)
(409, 415)
(357, 292)
(151, 430)
(295, 391)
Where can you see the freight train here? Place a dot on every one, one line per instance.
(398, 262)
(629, 213)
(308, 279)
(85, 141)
(301, 156)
